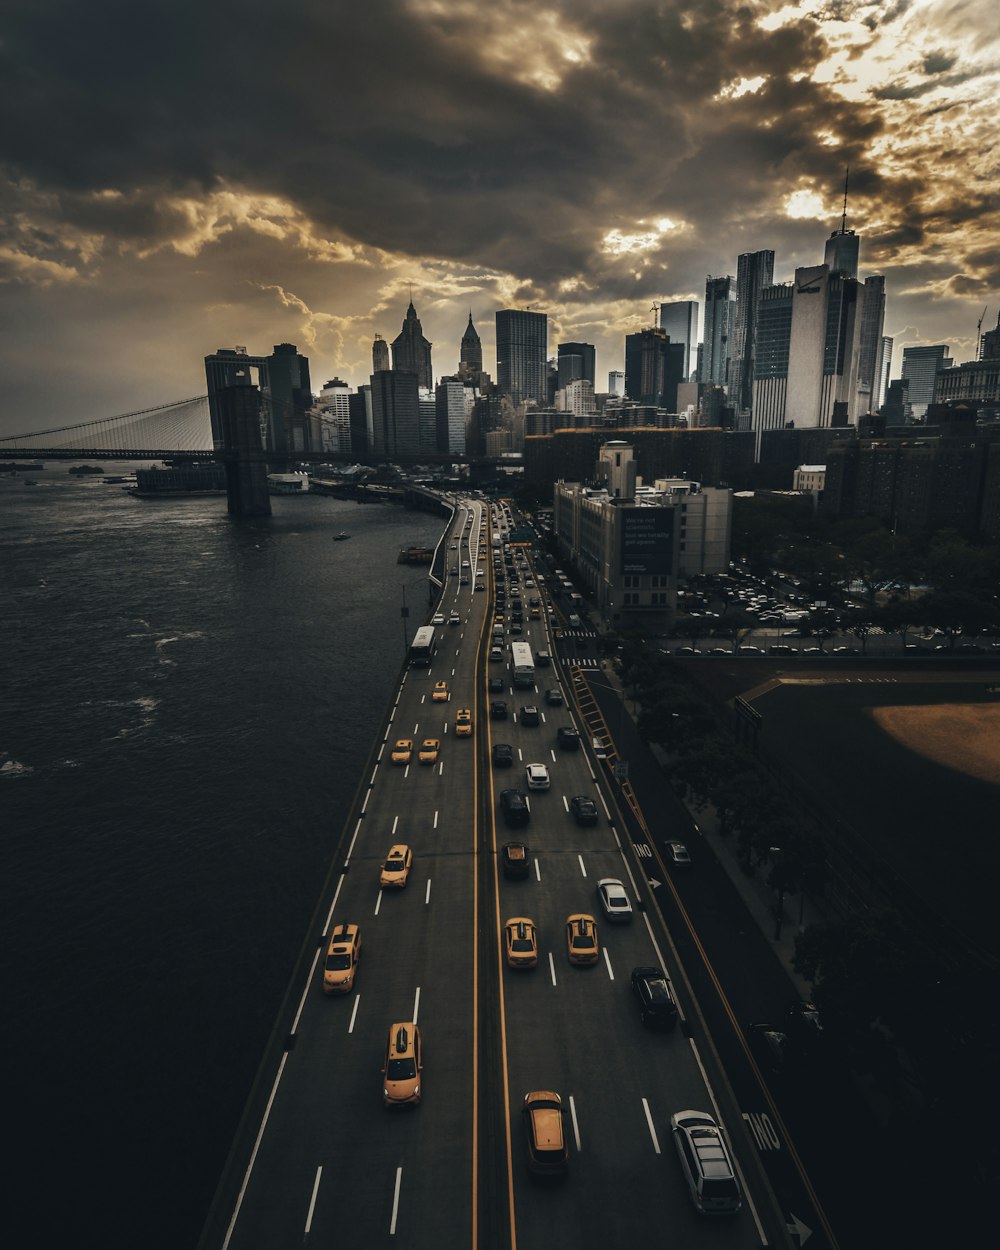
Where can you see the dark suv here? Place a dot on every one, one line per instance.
(568, 738)
(503, 755)
(514, 805)
(657, 1009)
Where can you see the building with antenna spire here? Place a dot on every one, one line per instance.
(411, 352)
(842, 247)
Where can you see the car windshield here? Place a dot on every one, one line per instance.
(521, 944)
(718, 1189)
(400, 1070)
(583, 941)
(393, 865)
(338, 962)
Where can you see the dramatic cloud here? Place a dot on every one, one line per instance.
(220, 174)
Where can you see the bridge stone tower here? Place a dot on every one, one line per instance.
(238, 408)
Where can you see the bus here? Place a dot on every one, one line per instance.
(524, 665)
(423, 647)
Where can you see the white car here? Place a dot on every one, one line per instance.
(437, 618)
(454, 619)
(538, 777)
(614, 900)
(678, 855)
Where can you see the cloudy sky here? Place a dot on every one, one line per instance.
(177, 176)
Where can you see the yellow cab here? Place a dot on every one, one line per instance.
(581, 939)
(396, 869)
(342, 959)
(429, 750)
(463, 723)
(521, 942)
(402, 751)
(543, 1113)
(440, 694)
(401, 1070)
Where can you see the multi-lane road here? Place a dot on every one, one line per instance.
(319, 1159)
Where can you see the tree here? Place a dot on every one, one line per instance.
(823, 624)
(690, 627)
(899, 616)
(955, 612)
(735, 624)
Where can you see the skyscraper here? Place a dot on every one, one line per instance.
(870, 347)
(411, 351)
(395, 413)
(380, 355)
(522, 351)
(755, 270)
(720, 308)
(841, 255)
(680, 320)
(470, 362)
(576, 360)
(885, 361)
(653, 368)
(920, 367)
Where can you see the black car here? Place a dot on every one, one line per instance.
(769, 1046)
(498, 709)
(496, 685)
(503, 755)
(514, 805)
(553, 697)
(657, 1009)
(583, 809)
(543, 659)
(529, 715)
(567, 738)
(514, 858)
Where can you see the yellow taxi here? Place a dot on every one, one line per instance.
(521, 942)
(581, 939)
(396, 869)
(440, 694)
(535, 613)
(342, 958)
(463, 723)
(402, 751)
(401, 1069)
(430, 748)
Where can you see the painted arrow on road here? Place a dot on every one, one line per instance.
(797, 1229)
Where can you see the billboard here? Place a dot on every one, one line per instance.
(647, 537)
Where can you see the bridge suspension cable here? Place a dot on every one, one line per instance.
(183, 425)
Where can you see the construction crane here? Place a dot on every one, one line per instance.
(979, 334)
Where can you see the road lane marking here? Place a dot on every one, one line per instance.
(441, 769)
(406, 771)
(380, 750)
(649, 1123)
(416, 727)
(422, 698)
(576, 1127)
(392, 716)
(416, 1005)
(583, 868)
(378, 902)
(435, 820)
(350, 852)
(364, 805)
(312, 1201)
(607, 960)
(427, 893)
(553, 754)
(354, 1013)
(552, 969)
(538, 871)
(374, 775)
(565, 802)
(395, 1202)
(395, 823)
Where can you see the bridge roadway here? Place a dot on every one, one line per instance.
(320, 1161)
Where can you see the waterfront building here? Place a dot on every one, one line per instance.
(411, 352)
(720, 313)
(522, 353)
(285, 393)
(680, 320)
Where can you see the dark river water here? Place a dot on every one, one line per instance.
(187, 706)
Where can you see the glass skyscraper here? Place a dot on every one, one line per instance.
(522, 353)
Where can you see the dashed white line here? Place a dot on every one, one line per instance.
(583, 867)
(312, 1200)
(565, 802)
(607, 960)
(354, 1013)
(365, 803)
(538, 871)
(427, 892)
(395, 824)
(435, 820)
(553, 754)
(441, 769)
(552, 965)
(416, 1005)
(395, 1202)
(576, 1127)
(649, 1122)
(378, 902)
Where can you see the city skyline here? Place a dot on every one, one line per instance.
(585, 162)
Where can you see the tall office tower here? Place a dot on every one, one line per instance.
(359, 406)
(896, 408)
(229, 366)
(885, 363)
(920, 367)
(680, 320)
(470, 363)
(653, 368)
(616, 383)
(411, 352)
(395, 413)
(808, 345)
(451, 397)
(380, 355)
(755, 270)
(870, 347)
(576, 360)
(335, 428)
(522, 352)
(720, 309)
(841, 254)
(285, 393)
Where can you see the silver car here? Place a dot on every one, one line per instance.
(614, 900)
(706, 1163)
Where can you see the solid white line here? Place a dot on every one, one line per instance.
(576, 1127)
(354, 1013)
(312, 1200)
(416, 1005)
(649, 1122)
(607, 960)
(395, 1202)
(378, 902)
(427, 894)
(552, 968)
(582, 866)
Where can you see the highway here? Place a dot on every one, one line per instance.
(320, 1160)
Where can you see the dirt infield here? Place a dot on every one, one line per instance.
(961, 737)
